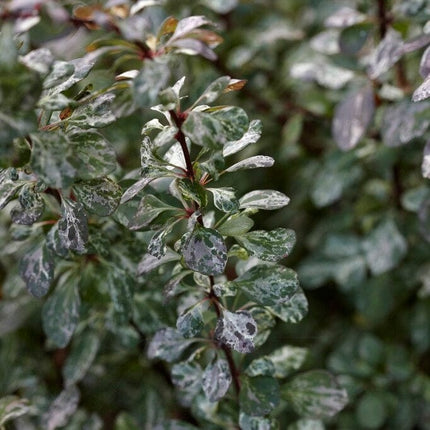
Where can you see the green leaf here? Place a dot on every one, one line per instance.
(119, 284)
(52, 159)
(61, 409)
(100, 196)
(268, 285)
(269, 245)
(31, 206)
(236, 225)
(262, 366)
(60, 313)
(287, 359)
(292, 311)
(151, 79)
(222, 7)
(233, 120)
(384, 247)
(255, 162)
(55, 244)
(187, 376)
(315, 394)
(81, 356)
(96, 112)
(251, 136)
(307, 424)
(259, 396)
(204, 130)
(193, 191)
(8, 187)
(216, 380)
(167, 344)
(73, 226)
(353, 38)
(372, 410)
(187, 25)
(213, 91)
(12, 407)
(264, 199)
(94, 155)
(190, 323)
(249, 422)
(37, 269)
(225, 199)
(236, 330)
(205, 251)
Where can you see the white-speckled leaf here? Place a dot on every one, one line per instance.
(119, 284)
(205, 251)
(236, 330)
(187, 25)
(259, 395)
(257, 423)
(384, 247)
(216, 380)
(264, 199)
(315, 394)
(132, 191)
(344, 17)
(221, 6)
(37, 269)
(425, 166)
(225, 199)
(167, 344)
(287, 360)
(387, 53)
(251, 136)
(81, 356)
(12, 407)
(100, 196)
(60, 313)
(204, 130)
(190, 323)
(307, 424)
(352, 117)
(39, 60)
(292, 311)
(30, 208)
(61, 409)
(213, 91)
(73, 226)
(269, 245)
(94, 113)
(187, 377)
(254, 162)
(423, 91)
(8, 188)
(268, 285)
(149, 262)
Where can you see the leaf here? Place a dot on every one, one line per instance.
(307, 424)
(287, 359)
(95, 157)
(190, 323)
(384, 247)
(97, 112)
(236, 225)
(81, 356)
(268, 285)
(236, 330)
(250, 136)
(252, 163)
(119, 284)
(193, 191)
(61, 409)
(216, 380)
(315, 394)
(257, 423)
(260, 367)
(292, 311)
(52, 159)
(193, 46)
(151, 79)
(37, 269)
(100, 196)
(187, 25)
(167, 344)
(204, 130)
(352, 117)
(234, 122)
(269, 245)
(425, 63)
(344, 17)
(225, 199)
(205, 251)
(187, 376)
(213, 91)
(259, 396)
(425, 166)
(149, 262)
(136, 188)
(60, 313)
(12, 407)
(39, 60)
(8, 187)
(221, 6)
(423, 91)
(31, 206)
(73, 226)
(353, 39)
(264, 199)
(387, 53)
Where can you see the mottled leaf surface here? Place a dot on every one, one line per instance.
(315, 394)
(268, 285)
(352, 117)
(187, 377)
(259, 395)
(167, 344)
(251, 136)
(269, 245)
(236, 330)
(225, 199)
(216, 380)
(60, 313)
(294, 310)
(205, 251)
(190, 323)
(254, 162)
(30, 208)
(96, 112)
(264, 199)
(73, 226)
(257, 423)
(12, 407)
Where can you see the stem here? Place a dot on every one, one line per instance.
(382, 18)
(180, 137)
(227, 351)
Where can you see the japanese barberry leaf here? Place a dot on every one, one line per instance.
(259, 395)
(216, 379)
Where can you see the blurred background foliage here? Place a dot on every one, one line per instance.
(361, 214)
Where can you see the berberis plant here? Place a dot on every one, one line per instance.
(120, 253)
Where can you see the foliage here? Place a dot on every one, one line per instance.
(142, 275)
